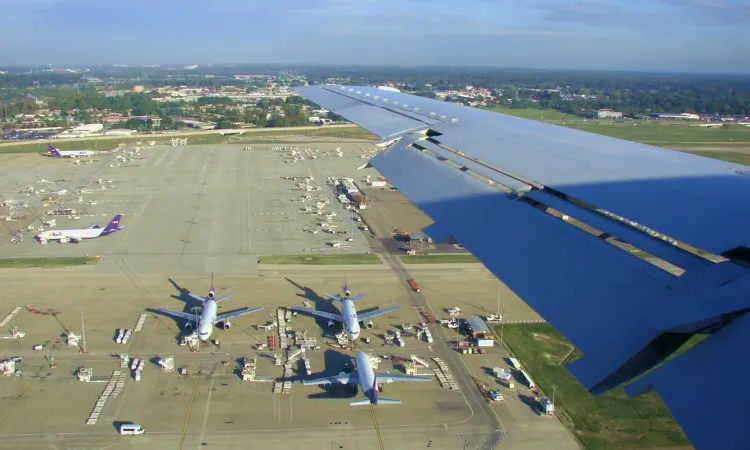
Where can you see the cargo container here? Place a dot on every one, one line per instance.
(485, 343)
(378, 183)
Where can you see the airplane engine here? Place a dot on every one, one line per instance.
(188, 325)
(330, 323)
(224, 325)
(64, 240)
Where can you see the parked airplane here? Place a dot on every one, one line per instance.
(75, 236)
(55, 153)
(205, 322)
(349, 316)
(368, 379)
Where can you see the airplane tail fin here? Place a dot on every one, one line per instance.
(113, 225)
(360, 402)
(357, 297)
(52, 151)
(388, 401)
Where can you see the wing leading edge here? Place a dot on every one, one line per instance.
(625, 314)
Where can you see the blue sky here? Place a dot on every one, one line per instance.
(645, 35)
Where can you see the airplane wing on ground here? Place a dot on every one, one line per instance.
(377, 312)
(562, 217)
(342, 378)
(239, 312)
(386, 377)
(336, 317)
(177, 314)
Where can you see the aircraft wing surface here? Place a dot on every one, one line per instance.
(315, 312)
(386, 377)
(342, 378)
(237, 313)
(376, 312)
(197, 297)
(177, 314)
(549, 210)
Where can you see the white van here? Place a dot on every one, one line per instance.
(127, 429)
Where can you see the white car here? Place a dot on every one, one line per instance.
(495, 396)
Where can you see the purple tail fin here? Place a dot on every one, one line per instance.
(113, 225)
(373, 394)
(52, 151)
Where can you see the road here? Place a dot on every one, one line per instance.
(483, 415)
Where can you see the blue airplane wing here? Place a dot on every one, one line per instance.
(239, 312)
(376, 312)
(555, 212)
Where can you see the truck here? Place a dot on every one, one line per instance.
(413, 284)
(546, 406)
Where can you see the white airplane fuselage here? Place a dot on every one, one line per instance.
(75, 153)
(366, 373)
(84, 233)
(205, 325)
(351, 322)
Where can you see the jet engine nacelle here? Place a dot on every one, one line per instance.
(331, 323)
(224, 324)
(188, 325)
(64, 240)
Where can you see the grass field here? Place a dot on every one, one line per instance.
(730, 156)
(543, 115)
(251, 135)
(47, 263)
(607, 421)
(337, 259)
(437, 259)
(662, 133)
(655, 132)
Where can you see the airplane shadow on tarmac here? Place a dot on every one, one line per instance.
(320, 304)
(334, 364)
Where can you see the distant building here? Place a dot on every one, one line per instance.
(138, 88)
(668, 116)
(609, 114)
(119, 132)
(88, 128)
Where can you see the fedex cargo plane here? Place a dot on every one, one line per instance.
(75, 236)
(52, 152)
